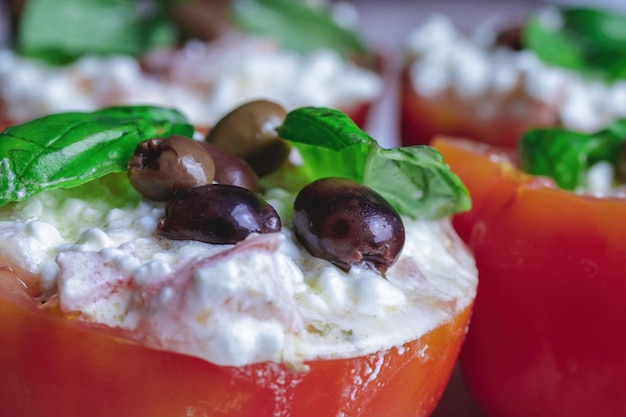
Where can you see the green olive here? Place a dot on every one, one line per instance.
(249, 132)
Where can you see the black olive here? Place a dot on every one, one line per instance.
(511, 37)
(231, 169)
(161, 167)
(248, 132)
(217, 213)
(348, 224)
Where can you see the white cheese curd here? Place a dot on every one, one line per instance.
(443, 59)
(263, 299)
(203, 80)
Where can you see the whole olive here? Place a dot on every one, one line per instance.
(161, 167)
(248, 132)
(348, 224)
(231, 169)
(217, 213)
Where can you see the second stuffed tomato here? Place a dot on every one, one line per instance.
(545, 336)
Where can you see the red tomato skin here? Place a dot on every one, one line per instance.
(546, 338)
(56, 367)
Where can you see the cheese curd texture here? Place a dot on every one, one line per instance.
(263, 299)
(442, 58)
(203, 80)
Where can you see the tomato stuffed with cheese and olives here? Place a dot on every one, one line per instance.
(148, 273)
(548, 246)
(555, 66)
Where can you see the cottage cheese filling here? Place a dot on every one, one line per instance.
(263, 299)
(444, 58)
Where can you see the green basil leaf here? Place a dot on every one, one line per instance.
(566, 155)
(415, 180)
(552, 44)
(296, 25)
(61, 31)
(68, 149)
(601, 28)
(589, 41)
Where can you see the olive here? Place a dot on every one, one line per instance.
(231, 169)
(217, 213)
(248, 132)
(348, 224)
(511, 37)
(161, 167)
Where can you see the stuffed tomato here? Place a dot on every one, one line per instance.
(165, 57)
(548, 247)
(147, 273)
(554, 67)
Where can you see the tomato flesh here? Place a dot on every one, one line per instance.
(545, 337)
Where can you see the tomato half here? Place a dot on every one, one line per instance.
(54, 366)
(495, 119)
(546, 337)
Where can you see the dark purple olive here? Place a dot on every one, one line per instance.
(231, 169)
(161, 167)
(217, 213)
(248, 132)
(348, 224)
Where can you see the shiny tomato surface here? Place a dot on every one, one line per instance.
(495, 119)
(53, 366)
(547, 334)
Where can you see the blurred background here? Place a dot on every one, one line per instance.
(385, 26)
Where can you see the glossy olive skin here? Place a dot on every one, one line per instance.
(217, 213)
(248, 132)
(231, 169)
(161, 167)
(348, 224)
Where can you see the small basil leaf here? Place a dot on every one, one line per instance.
(296, 25)
(414, 180)
(566, 156)
(321, 126)
(329, 139)
(61, 31)
(68, 149)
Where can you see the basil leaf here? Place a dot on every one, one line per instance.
(415, 180)
(552, 44)
(566, 156)
(68, 149)
(296, 25)
(589, 41)
(61, 31)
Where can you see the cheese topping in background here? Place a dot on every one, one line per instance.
(444, 59)
(203, 80)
